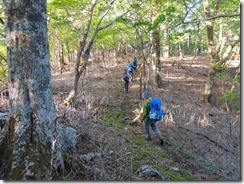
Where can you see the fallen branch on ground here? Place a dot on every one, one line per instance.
(208, 138)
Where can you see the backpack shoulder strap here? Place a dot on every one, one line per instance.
(149, 100)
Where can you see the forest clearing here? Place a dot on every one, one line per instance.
(76, 81)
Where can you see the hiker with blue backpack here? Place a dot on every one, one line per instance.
(132, 66)
(151, 113)
(126, 80)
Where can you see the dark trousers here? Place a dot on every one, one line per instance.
(126, 85)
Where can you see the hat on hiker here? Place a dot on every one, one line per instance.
(145, 95)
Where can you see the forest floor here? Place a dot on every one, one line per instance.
(202, 141)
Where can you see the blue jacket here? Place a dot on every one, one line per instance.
(131, 67)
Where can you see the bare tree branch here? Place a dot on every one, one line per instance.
(210, 18)
(3, 35)
(1, 21)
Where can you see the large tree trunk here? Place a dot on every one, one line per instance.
(31, 146)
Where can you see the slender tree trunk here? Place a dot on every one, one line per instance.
(103, 55)
(68, 52)
(156, 64)
(84, 51)
(181, 49)
(188, 51)
(61, 57)
(166, 47)
(32, 145)
(214, 55)
(144, 83)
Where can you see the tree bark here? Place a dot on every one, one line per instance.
(31, 146)
(156, 64)
(214, 55)
(166, 47)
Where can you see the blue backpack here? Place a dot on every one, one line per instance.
(156, 112)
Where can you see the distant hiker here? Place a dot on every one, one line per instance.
(126, 79)
(147, 121)
(132, 66)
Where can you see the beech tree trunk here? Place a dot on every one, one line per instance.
(31, 147)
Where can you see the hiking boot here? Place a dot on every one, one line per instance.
(161, 141)
(148, 138)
